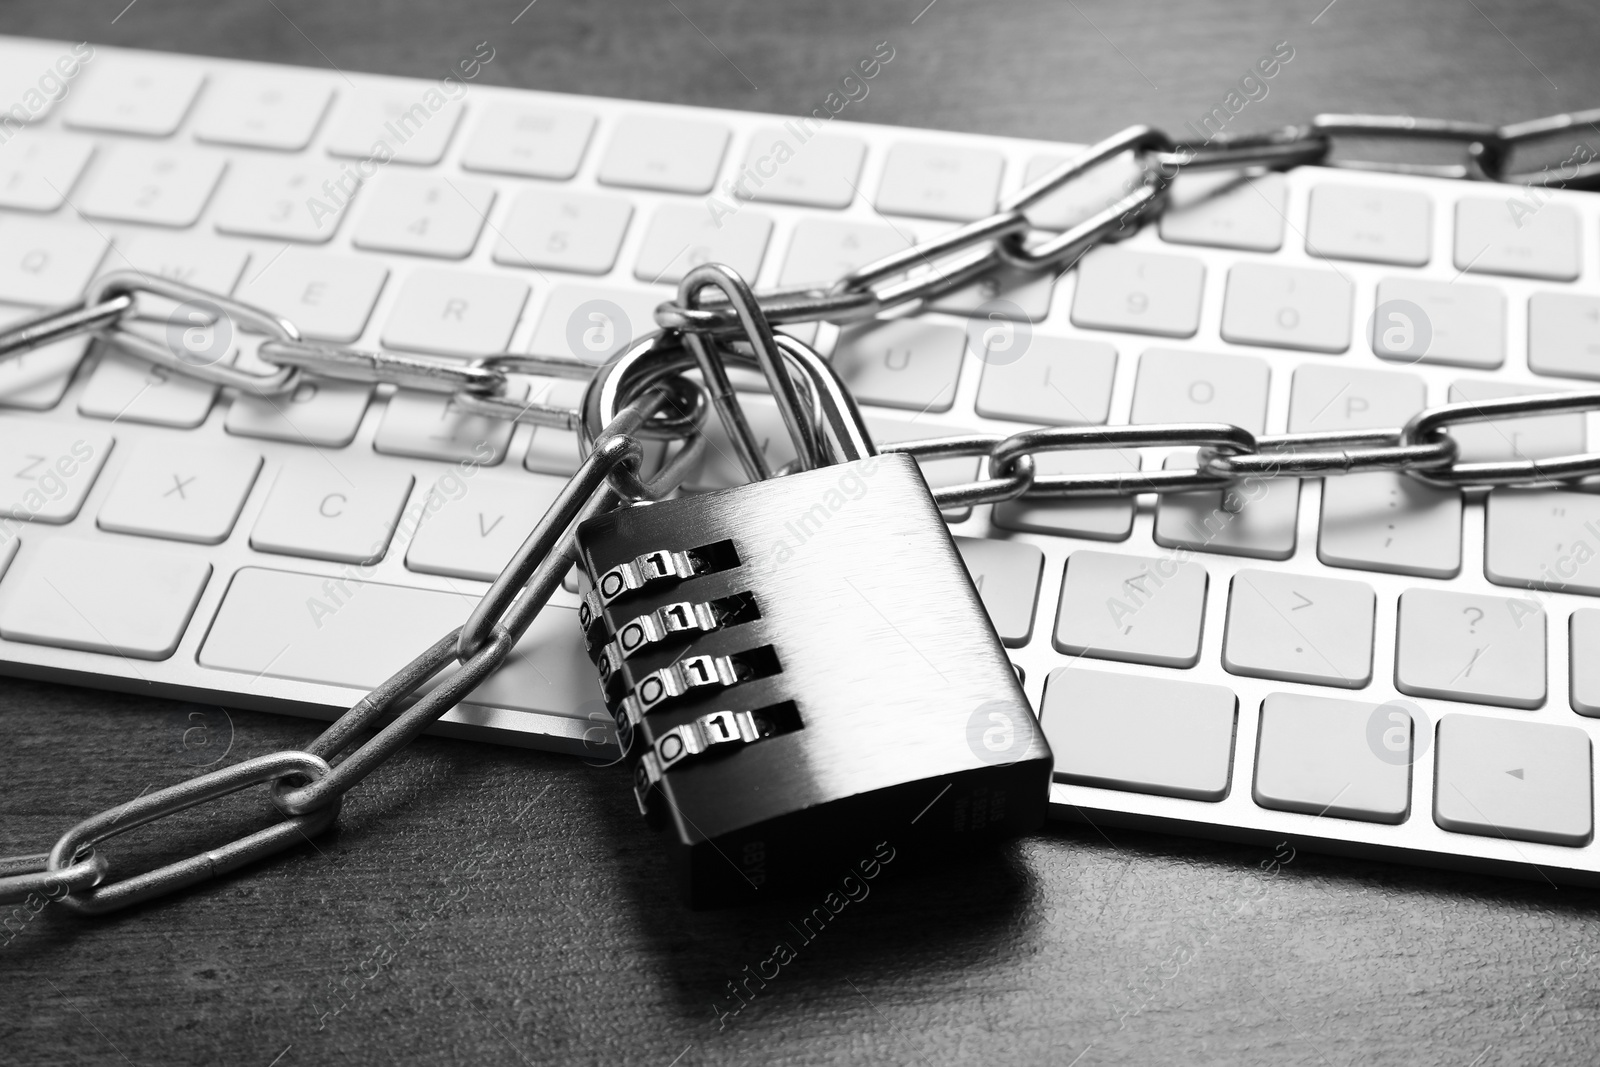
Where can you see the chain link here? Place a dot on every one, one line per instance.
(644, 388)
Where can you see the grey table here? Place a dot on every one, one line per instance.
(1073, 946)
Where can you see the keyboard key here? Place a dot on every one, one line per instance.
(1371, 224)
(180, 492)
(47, 468)
(143, 95)
(1584, 659)
(822, 171)
(1287, 307)
(1324, 398)
(822, 250)
(329, 297)
(1091, 192)
(1098, 518)
(313, 510)
(1119, 289)
(1179, 386)
(1462, 646)
(285, 200)
(1525, 781)
(1137, 609)
(126, 388)
(939, 182)
(195, 260)
(1007, 576)
(593, 323)
(563, 231)
(1295, 628)
(471, 528)
(1256, 518)
(1384, 521)
(24, 64)
(1378, 521)
(1144, 735)
(160, 185)
(37, 168)
(277, 110)
(318, 413)
(46, 261)
(1314, 756)
(1545, 539)
(429, 426)
(37, 380)
(1028, 292)
(684, 236)
(423, 215)
(532, 142)
(1055, 381)
(906, 363)
(402, 121)
(1564, 335)
(1503, 236)
(455, 313)
(1224, 209)
(1538, 437)
(358, 633)
(1465, 324)
(656, 152)
(102, 596)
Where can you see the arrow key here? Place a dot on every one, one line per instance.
(1503, 778)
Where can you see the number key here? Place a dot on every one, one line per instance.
(423, 215)
(932, 181)
(1140, 292)
(563, 231)
(1287, 307)
(154, 184)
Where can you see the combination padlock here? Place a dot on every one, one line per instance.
(802, 669)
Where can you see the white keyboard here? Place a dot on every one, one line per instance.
(1222, 667)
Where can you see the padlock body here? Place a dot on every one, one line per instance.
(884, 708)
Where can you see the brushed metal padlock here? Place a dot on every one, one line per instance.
(802, 669)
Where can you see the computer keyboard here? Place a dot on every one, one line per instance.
(1242, 665)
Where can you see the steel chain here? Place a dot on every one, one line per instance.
(715, 309)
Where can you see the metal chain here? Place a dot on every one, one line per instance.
(715, 310)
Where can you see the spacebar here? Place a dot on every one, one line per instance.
(312, 628)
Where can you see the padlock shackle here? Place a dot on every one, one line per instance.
(758, 335)
(662, 355)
